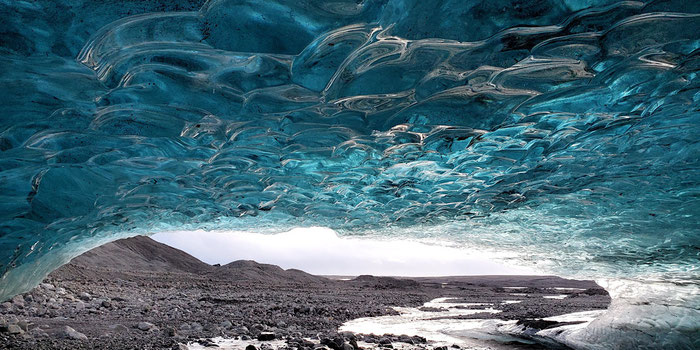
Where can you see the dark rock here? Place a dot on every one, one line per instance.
(543, 324)
(266, 336)
(170, 332)
(335, 344)
(432, 309)
(251, 347)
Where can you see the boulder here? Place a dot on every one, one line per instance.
(119, 328)
(266, 336)
(145, 326)
(14, 329)
(70, 333)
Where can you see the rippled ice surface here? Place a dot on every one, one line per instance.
(565, 131)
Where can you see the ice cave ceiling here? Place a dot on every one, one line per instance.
(567, 129)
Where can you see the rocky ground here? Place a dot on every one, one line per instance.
(140, 294)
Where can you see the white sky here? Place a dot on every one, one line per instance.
(321, 251)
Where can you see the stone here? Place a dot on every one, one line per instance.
(106, 304)
(18, 301)
(145, 326)
(266, 336)
(38, 333)
(225, 324)
(251, 347)
(119, 328)
(6, 306)
(335, 344)
(70, 333)
(14, 329)
(240, 330)
(85, 296)
(79, 305)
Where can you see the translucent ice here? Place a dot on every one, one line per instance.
(563, 130)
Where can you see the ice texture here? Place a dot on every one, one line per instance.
(566, 131)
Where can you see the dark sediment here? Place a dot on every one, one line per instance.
(137, 293)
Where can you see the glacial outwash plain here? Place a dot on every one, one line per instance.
(137, 293)
(559, 135)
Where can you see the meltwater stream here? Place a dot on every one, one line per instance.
(565, 132)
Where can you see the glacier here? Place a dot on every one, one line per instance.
(564, 131)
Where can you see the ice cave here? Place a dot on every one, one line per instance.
(567, 132)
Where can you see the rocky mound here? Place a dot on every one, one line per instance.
(251, 271)
(140, 253)
(370, 281)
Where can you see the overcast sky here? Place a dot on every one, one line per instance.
(321, 251)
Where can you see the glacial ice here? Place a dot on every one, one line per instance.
(566, 131)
